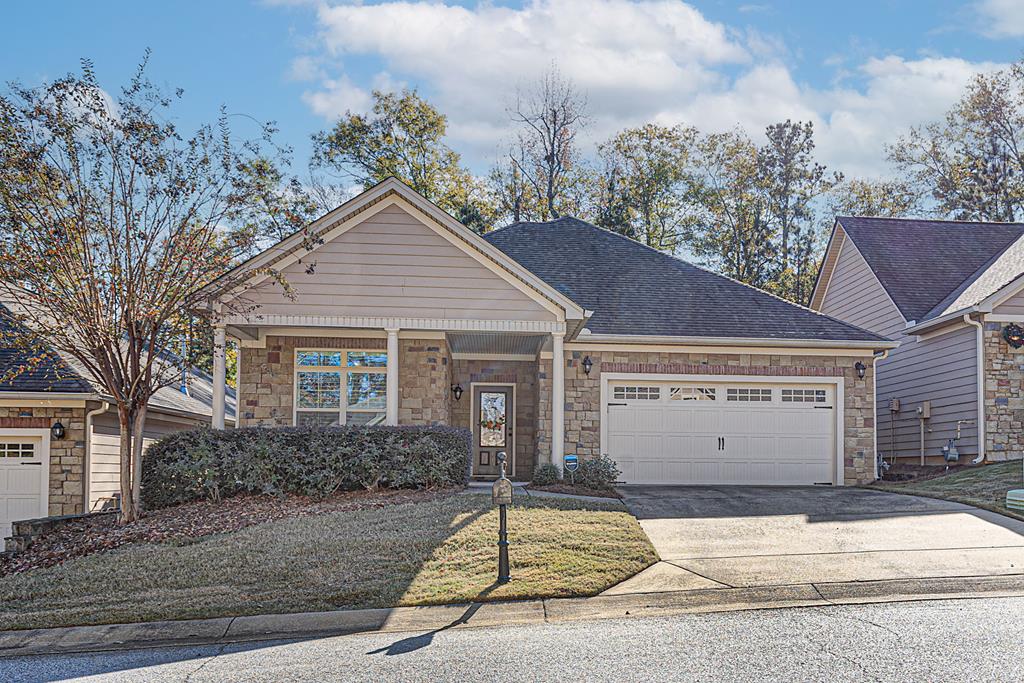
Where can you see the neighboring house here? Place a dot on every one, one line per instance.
(546, 339)
(41, 475)
(946, 291)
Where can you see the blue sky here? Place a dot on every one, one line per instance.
(862, 71)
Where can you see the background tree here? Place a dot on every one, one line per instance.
(971, 164)
(403, 137)
(792, 180)
(548, 118)
(109, 221)
(273, 205)
(645, 189)
(883, 198)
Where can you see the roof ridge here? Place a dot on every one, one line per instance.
(678, 259)
(930, 220)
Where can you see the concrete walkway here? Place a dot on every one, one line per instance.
(729, 537)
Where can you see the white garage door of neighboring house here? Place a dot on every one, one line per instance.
(689, 432)
(24, 476)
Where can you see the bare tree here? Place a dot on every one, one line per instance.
(110, 220)
(549, 117)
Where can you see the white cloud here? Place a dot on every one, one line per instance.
(654, 60)
(1001, 18)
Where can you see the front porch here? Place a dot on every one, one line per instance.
(487, 380)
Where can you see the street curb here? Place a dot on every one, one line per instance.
(225, 630)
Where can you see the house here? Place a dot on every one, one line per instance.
(60, 437)
(545, 339)
(952, 294)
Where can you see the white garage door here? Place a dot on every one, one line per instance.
(716, 433)
(24, 471)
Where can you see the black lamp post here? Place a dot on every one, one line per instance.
(501, 495)
(587, 365)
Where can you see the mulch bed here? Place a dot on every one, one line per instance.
(576, 491)
(907, 472)
(192, 520)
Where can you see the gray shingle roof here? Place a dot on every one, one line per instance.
(44, 370)
(925, 264)
(54, 373)
(636, 290)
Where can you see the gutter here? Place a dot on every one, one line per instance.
(882, 355)
(980, 355)
(916, 328)
(87, 467)
(585, 337)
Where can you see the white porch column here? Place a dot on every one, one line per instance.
(557, 398)
(219, 376)
(391, 417)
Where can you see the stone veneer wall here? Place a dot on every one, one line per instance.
(1004, 396)
(67, 456)
(521, 373)
(266, 391)
(583, 394)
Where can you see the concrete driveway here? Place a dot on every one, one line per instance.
(736, 536)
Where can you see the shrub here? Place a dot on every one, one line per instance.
(599, 474)
(546, 474)
(313, 461)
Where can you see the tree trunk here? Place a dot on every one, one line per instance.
(137, 440)
(125, 422)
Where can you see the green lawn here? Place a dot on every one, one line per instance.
(984, 487)
(440, 551)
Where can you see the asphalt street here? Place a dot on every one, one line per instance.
(949, 640)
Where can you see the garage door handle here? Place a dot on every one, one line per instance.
(618, 404)
(823, 407)
(37, 464)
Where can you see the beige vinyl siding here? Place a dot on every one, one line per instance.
(105, 446)
(1012, 306)
(392, 264)
(854, 295)
(939, 369)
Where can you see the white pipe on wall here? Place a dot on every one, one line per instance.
(87, 468)
(980, 355)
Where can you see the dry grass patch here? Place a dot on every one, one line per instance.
(984, 487)
(437, 551)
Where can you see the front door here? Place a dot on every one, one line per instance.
(492, 429)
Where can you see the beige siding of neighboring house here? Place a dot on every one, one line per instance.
(941, 369)
(394, 265)
(1012, 306)
(105, 450)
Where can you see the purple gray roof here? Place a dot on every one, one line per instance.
(636, 290)
(926, 266)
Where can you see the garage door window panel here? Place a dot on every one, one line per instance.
(749, 395)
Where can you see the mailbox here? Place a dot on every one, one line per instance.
(501, 492)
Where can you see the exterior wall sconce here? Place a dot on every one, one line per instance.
(587, 365)
(57, 431)
(861, 369)
(457, 391)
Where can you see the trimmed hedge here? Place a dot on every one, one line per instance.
(312, 461)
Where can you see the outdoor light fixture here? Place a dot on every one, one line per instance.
(861, 369)
(57, 431)
(587, 364)
(457, 391)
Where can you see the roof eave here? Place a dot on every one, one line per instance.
(737, 341)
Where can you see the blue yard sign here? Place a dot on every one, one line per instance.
(572, 463)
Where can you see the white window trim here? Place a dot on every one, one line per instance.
(343, 369)
(838, 383)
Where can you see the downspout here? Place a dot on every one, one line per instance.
(874, 398)
(87, 468)
(980, 354)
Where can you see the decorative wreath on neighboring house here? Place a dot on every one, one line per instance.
(494, 423)
(1014, 335)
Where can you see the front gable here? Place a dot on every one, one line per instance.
(392, 264)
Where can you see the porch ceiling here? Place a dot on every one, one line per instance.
(495, 343)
